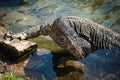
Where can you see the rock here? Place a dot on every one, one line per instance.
(76, 64)
(110, 77)
(20, 20)
(16, 51)
(2, 14)
(24, 1)
(2, 67)
(67, 67)
(3, 30)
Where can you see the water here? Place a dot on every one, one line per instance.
(105, 12)
(103, 64)
(100, 65)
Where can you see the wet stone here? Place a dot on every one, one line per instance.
(16, 51)
(2, 14)
(2, 67)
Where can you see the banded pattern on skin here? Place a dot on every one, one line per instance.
(97, 35)
(66, 37)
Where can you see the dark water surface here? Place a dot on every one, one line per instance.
(102, 65)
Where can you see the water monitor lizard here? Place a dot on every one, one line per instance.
(79, 36)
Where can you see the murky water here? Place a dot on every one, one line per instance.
(103, 64)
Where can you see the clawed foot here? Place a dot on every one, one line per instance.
(10, 36)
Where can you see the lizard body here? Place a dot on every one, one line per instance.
(79, 36)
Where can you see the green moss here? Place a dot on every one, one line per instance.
(97, 4)
(102, 20)
(47, 44)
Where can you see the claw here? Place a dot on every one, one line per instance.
(8, 35)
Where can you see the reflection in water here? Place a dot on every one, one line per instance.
(103, 64)
(67, 67)
(51, 66)
(40, 67)
(9, 3)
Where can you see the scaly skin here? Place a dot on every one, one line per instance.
(79, 36)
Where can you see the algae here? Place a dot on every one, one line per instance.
(47, 44)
